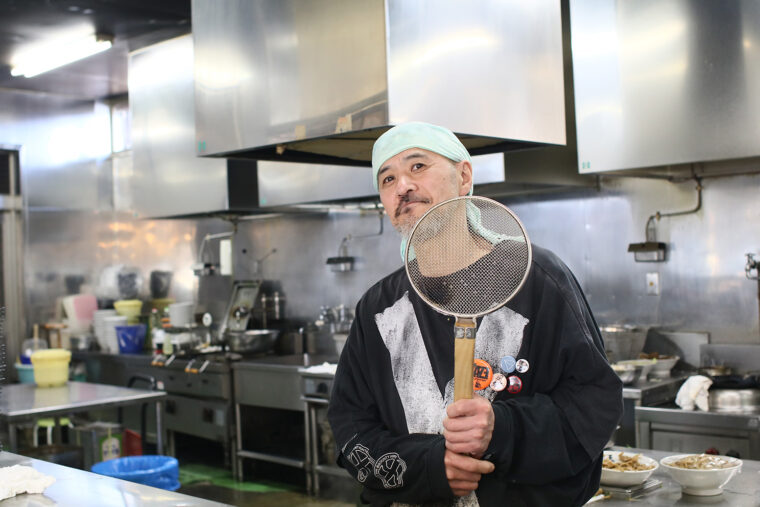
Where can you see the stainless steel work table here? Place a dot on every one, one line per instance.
(743, 490)
(21, 403)
(85, 489)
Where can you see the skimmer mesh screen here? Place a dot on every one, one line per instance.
(468, 256)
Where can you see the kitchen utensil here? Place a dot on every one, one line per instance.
(51, 367)
(81, 342)
(98, 324)
(110, 341)
(160, 282)
(715, 371)
(734, 400)
(626, 372)
(663, 366)
(79, 311)
(467, 257)
(251, 341)
(643, 367)
(131, 338)
(28, 347)
(182, 314)
(130, 308)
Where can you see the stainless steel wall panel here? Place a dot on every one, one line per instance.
(478, 67)
(665, 82)
(279, 70)
(284, 183)
(64, 143)
(167, 178)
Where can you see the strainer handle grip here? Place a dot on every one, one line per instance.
(464, 356)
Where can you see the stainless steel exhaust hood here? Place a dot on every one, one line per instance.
(318, 81)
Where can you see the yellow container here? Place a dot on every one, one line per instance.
(129, 308)
(51, 367)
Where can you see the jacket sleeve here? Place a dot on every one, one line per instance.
(391, 464)
(548, 444)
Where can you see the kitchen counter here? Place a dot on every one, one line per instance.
(27, 402)
(77, 487)
(654, 390)
(743, 490)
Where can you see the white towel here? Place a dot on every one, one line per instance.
(694, 392)
(18, 479)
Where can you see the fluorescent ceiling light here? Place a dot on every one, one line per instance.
(49, 56)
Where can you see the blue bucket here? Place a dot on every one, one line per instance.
(157, 471)
(25, 373)
(131, 338)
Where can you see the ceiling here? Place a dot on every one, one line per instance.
(132, 23)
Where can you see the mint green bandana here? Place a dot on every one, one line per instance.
(416, 134)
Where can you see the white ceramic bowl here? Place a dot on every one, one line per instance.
(626, 478)
(645, 365)
(701, 482)
(662, 366)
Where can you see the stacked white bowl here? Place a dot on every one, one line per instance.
(98, 325)
(110, 341)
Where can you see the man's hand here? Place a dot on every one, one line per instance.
(463, 472)
(469, 426)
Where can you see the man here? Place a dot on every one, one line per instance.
(535, 435)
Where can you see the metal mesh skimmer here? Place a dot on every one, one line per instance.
(467, 257)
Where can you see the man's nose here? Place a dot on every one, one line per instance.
(404, 185)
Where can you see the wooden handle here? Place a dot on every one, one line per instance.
(464, 356)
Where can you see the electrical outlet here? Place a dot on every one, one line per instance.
(653, 284)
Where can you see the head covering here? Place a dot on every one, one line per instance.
(416, 134)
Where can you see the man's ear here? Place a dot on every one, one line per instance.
(464, 170)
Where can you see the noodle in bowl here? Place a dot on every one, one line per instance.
(625, 469)
(701, 474)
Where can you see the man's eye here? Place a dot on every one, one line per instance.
(387, 179)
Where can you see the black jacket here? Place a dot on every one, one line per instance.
(395, 378)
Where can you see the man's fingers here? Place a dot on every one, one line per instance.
(467, 463)
(465, 407)
(462, 488)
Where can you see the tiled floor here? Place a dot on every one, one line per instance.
(216, 483)
(266, 499)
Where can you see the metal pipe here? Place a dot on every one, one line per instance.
(650, 229)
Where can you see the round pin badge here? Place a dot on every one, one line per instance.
(522, 365)
(514, 384)
(481, 374)
(499, 382)
(507, 364)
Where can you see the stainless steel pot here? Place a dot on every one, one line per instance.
(251, 341)
(735, 400)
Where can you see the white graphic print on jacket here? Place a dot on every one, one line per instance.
(499, 334)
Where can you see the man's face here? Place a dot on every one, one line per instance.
(413, 181)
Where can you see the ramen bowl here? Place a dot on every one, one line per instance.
(627, 478)
(702, 481)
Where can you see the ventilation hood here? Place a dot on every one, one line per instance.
(319, 81)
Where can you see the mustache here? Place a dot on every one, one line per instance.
(406, 199)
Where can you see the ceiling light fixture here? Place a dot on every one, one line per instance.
(42, 58)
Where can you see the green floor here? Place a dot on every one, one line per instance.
(217, 484)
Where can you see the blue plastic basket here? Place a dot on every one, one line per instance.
(25, 373)
(131, 338)
(157, 471)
